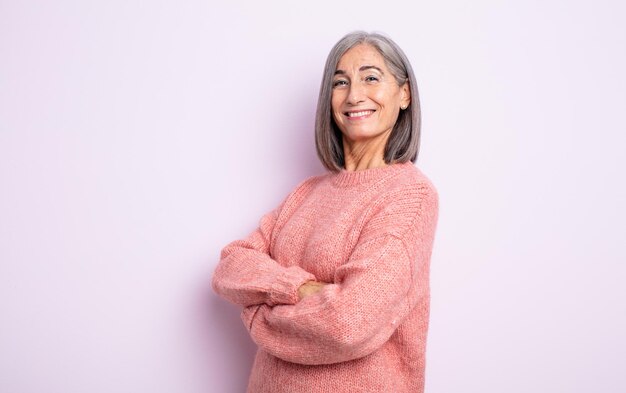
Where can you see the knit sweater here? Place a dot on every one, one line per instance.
(369, 235)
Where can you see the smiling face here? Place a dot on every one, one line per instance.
(366, 98)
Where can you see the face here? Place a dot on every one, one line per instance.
(366, 98)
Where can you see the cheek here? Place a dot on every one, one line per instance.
(388, 99)
(335, 105)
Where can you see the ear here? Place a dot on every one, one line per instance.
(405, 94)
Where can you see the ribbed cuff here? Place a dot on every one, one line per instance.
(284, 290)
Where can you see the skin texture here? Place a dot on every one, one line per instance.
(363, 83)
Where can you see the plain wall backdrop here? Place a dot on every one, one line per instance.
(139, 138)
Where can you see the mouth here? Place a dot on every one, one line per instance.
(359, 114)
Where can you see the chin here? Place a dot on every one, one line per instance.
(361, 136)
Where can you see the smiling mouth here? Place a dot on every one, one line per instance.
(359, 113)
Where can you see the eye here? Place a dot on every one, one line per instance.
(371, 78)
(339, 83)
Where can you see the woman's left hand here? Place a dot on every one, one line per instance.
(309, 288)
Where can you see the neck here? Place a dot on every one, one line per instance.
(359, 155)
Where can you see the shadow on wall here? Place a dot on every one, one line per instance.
(227, 351)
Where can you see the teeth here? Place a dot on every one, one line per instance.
(357, 114)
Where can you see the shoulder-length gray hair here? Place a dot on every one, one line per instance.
(404, 140)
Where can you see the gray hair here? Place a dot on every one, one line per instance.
(404, 140)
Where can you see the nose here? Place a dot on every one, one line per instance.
(356, 95)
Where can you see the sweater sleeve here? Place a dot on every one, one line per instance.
(248, 275)
(372, 293)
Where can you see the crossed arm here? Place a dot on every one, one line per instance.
(291, 315)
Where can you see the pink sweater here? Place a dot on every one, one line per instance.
(370, 235)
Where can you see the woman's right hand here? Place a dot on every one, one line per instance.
(309, 288)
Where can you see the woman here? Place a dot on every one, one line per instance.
(334, 282)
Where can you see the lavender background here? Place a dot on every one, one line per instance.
(138, 138)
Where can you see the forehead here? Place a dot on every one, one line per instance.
(361, 55)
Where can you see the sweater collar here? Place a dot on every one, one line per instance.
(345, 178)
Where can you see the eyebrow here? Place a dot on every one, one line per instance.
(363, 68)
